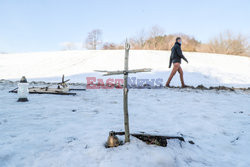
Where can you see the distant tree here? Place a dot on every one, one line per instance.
(165, 42)
(227, 43)
(138, 41)
(94, 39)
(190, 44)
(108, 46)
(156, 31)
(112, 46)
(149, 40)
(155, 34)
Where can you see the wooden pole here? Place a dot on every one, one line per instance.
(125, 93)
(125, 87)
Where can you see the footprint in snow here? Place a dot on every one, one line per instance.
(70, 139)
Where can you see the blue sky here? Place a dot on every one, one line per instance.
(42, 25)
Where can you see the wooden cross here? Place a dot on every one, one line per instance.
(125, 73)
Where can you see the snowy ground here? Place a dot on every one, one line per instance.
(52, 130)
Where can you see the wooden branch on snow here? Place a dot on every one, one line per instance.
(122, 72)
(142, 134)
(152, 139)
(45, 90)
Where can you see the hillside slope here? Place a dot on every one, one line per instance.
(203, 68)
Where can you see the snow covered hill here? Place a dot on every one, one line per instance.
(203, 68)
(70, 131)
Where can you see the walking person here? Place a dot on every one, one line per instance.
(175, 58)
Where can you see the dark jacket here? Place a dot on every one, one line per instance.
(176, 54)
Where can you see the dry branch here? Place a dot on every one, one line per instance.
(152, 139)
(122, 72)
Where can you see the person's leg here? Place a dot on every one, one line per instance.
(175, 69)
(181, 77)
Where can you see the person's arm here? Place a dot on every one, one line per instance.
(179, 53)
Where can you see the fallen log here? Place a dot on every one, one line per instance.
(45, 90)
(54, 93)
(77, 89)
(151, 139)
(13, 91)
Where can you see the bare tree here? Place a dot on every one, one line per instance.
(190, 44)
(112, 46)
(139, 40)
(94, 39)
(157, 40)
(227, 43)
(156, 31)
(155, 34)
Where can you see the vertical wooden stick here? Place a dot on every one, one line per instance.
(125, 93)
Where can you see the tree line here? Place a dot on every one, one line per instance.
(156, 39)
